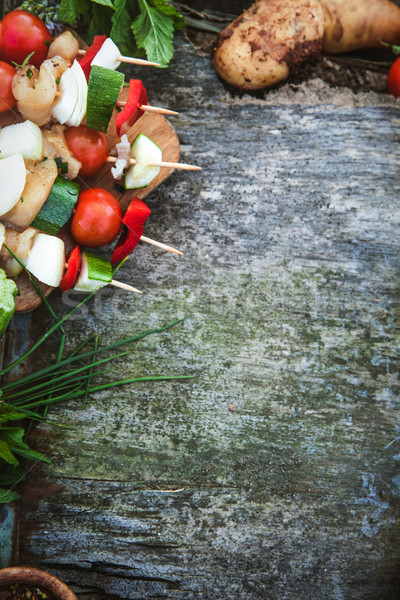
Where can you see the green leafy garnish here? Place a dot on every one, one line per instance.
(17, 66)
(73, 376)
(138, 27)
(61, 165)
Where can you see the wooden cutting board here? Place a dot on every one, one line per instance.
(156, 127)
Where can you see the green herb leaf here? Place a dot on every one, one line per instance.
(24, 64)
(13, 436)
(8, 496)
(68, 12)
(121, 32)
(9, 413)
(154, 31)
(30, 454)
(6, 454)
(167, 9)
(105, 3)
(71, 11)
(10, 475)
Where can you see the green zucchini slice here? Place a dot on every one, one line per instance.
(103, 91)
(58, 207)
(143, 150)
(95, 272)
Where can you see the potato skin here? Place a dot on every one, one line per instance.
(268, 41)
(353, 24)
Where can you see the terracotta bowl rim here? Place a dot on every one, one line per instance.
(38, 577)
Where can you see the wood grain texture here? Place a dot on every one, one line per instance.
(157, 128)
(274, 474)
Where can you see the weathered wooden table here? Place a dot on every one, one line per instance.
(274, 473)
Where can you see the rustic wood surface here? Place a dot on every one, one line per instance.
(274, 473)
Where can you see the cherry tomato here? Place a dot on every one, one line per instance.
(393, 78)
(97, 218)
(21, 33)
(7, 99)
(89, 147)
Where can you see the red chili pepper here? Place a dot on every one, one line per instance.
(74, 262)
(86, 61)
(133, 221)
(131, 112)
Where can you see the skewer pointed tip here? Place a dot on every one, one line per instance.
(125, 286)
(161, 245)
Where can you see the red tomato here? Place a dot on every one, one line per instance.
(21, 33)
(7, 99)
(89, 147)
(393, 78)
(97, 218)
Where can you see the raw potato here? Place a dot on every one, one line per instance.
(269, 41)
(353, 24)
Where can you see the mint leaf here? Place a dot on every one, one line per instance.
(153, 31)
(121, 32)
(105, 3)
(10, 475)
(71, 10)
(100, 19)
(68, 12)
(13, 435)
(8, 496)
(30, 454)
(6, 454)
(9, 413)
(12, 440)
(168, 9)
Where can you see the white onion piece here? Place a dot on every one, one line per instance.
(68, 88)
(108, 56)
(46, 260)
(13, 178)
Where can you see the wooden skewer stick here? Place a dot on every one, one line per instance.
(160, 245)
(124, 286)
(161, 163)
(119, 284)
(144, 107)
(150, 108)
(130, 59)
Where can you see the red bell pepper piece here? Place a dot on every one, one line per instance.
(86, 60)
(74, 262)
(133, 222)
(131, 112)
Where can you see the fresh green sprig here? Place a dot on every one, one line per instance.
(23, 65)
(66, 379)
(138, 27)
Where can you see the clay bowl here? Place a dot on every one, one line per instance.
(36, 578)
